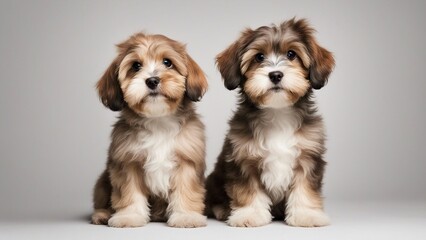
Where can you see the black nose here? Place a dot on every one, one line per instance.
(276, 76)
(152, 82)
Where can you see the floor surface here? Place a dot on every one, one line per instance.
(368, 220)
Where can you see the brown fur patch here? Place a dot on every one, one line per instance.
(321, 60)
(109, 89)
(187, 190)
(228, 60)
(187, 184)
(196, 82)
(158, 209)
(126, 180)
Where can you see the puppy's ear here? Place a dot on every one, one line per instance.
(196, 82)
(322, 63)
(109, 89)
(229, 61)
(321, 60)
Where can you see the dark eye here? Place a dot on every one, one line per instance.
(136, 66)
(259, 57)
(167, 63)
(291, 55)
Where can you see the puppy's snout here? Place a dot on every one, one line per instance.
(152, 82)
(276, 76)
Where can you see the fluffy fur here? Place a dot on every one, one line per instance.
(155, 167)
(271, 164)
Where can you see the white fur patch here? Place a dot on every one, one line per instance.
(130, 219)
(307, 217)
(187, 220)
(278, 139)
(136, 91)
(158, 141)
(275, 142)
(253, 215)
(155, 142)
(156, 107)
(277, 100)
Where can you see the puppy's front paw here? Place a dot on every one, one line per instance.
(187, 220)
(249, 217)
(123, 220)
(306, 217)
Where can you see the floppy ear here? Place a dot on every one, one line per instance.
(322, 63)
(196, 82)
(109, 89)
(321, 60)
(229, 61)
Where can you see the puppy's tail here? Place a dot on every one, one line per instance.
(102, 200)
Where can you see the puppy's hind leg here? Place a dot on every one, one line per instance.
(102, 200)
(217, 201)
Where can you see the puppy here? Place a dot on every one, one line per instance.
(155, 167)
(271, 164)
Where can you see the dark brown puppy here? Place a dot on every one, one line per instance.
(272, 158)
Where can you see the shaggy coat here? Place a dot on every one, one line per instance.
(271, 164)
(155, 167)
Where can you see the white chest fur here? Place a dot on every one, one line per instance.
(157, 143)
(277, 137)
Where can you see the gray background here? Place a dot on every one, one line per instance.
(55, 132)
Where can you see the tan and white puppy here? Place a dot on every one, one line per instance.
(271, 163)
(155, 167)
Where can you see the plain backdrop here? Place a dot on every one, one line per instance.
(54, 132)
